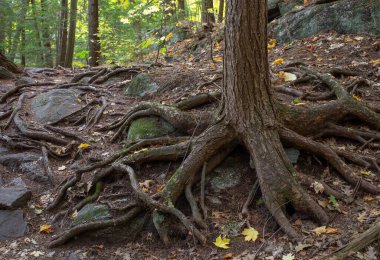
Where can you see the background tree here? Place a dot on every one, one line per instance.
(71, 37)
(48, 56)
(93, 32)
(221, 11)
(207, 14)
(62, 34)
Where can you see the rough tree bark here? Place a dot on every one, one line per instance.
(93, 32)
(7, 67)
(62, 34)
(71, 39)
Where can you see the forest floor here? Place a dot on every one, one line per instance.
(187, 74)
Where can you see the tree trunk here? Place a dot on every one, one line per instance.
(22, 50)
(93, 32)
(19, 27)
(62, 34)
(7, 68)
(250, 110)
(207, 15)
(48, 55)
(221, 11)
(37, 31)
(71, 39)
(181, 5)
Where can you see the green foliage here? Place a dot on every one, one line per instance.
(129, 29)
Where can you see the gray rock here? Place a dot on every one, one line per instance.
(92, 212)
(17, 182)
(229, 174)
(345, 16)
(141, 85)
(54, 105)
(28, 163)
(12, 224)
(73, 256)
(149, 127)
(3, 149)
(24, 81)
(14, 197)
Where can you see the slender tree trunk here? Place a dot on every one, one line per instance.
(207, 15)
(181, 5)
(22, 50)
(19, 27)
(221, 11)
(93, 32)
(71, 39)
(48, 55)
(3, 24)
(37, 32)
(250, 110)
(62, 34)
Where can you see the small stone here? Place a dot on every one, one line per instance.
(14, 197)
(12, 224)
(141, 85)
(92, 212)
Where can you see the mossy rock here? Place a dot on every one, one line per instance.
(141, 85)
(92, 212)
(345, 17)
(149, 127)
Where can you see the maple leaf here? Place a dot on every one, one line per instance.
(46, 229)
(278, 61)
(37, 253)
(222, 242)
(83, 146)
(250, 234)
(318, 187)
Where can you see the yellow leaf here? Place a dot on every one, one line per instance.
(250, 234)
(358, 98)
(210, 10)
(375, 62)
(83, 146)
(286, 76)
(169, 36)
(218, 59)
(365, 173)
(46, 229)
(278, 61)
(325, 230)
(272, 43)
(222, 242)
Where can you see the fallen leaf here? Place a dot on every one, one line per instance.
(47, 229)
(301, 247)
(356, 97)
(227, 256)
(318, 187)
(332, 200)
(83, 146)
(362, 217)
(375, 62)
(62, 168)
(37, 253)
(250, 234)
(218, 58)
(222, 242)
(286, 76)
(324, 230)
(278, 61)
(368, 198)
(288, 257)
(365, 172)
(272, 43)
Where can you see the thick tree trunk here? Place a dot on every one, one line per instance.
(250, 110)
(62, 34)
(48, 55)
(7, 68)
(93, 32)
(71, 39)
(221, 11)
(207, 15)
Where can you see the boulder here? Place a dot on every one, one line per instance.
(92, 212)
(12, 224)
(149, 127)
(24, 81)
(141, 85)
(27, 162)
(54, 105)
(14, 197)
(344, 16)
